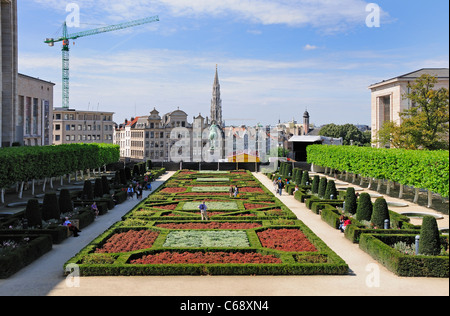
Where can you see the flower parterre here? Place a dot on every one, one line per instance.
(234, 241)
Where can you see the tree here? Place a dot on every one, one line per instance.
(430, 243)
(88, 193)
(348, 132)
(315, 185)
(426, 124)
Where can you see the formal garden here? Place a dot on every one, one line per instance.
(252, 233)
(388, 236)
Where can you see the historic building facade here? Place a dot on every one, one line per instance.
(388, 97)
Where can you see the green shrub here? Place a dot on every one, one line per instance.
(322, 187)
(380, 213)
(87, 190)
(315, 184)
(365, 207)
(33, 213)
(105, 185)
(50, 207)
(350, 201)
(429, 237)
(298, 177)
(331, 190)
(65, 201)
(305, 178)
(98, 188)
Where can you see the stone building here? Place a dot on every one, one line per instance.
(388, 101)
(8, 72)
(34, 114)
(72, 126)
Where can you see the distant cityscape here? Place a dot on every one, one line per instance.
(29, 117)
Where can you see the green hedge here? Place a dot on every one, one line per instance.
(421, 169)
(380, 248)
(23, 255)
(25, 163)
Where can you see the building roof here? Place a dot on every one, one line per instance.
(440, 73)
(315, 139)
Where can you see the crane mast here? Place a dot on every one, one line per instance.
(65, 39)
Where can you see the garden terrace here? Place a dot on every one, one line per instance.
(252, 234)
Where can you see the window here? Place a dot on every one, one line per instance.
(57, 127)
(68, 127)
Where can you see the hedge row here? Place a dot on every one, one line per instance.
(26, 163)
(421, 169)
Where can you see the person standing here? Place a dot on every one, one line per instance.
(203, 210)
(280, 187)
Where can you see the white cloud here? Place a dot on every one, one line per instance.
(310, 47)
(329, 15)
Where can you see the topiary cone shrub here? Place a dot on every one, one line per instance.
(364, 208)
(331, 190)
(65, 201)
(380, 213)
(315, 185)
(305, 178)
(105, 185)
(350, 201)
(50, 207)
(298, 177)
(322, 187)
(98, 188)
(430, 243)
(87, 190)
(33, 213)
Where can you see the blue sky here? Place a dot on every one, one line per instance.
(275, 58)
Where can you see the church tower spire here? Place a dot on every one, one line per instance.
(216, 102)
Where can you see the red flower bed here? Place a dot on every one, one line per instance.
(252, 206)
(129, 241)
(251, 190)
(173, 190)
(213, 225)
(204, 194)
(286, 240)
(206, 258)
(169, 207)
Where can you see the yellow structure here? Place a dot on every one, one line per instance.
(244, 157)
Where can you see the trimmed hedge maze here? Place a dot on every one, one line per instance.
(250, 234)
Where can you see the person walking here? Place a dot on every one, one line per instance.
(130, 191)
(280, 187)
(203, 211)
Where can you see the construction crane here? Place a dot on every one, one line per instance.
(66, 37)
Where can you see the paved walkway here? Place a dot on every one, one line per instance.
(45, 276)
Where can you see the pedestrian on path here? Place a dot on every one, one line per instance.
(280, 187)
(130, 191)
(203, 210)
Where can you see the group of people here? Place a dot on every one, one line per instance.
(138, 189)
(278, 186)
(344, 221)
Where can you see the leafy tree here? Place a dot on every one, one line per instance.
(426, 124)
(430, 243)
(305, 178)
(347, 132)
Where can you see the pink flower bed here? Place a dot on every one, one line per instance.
(286, 240)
